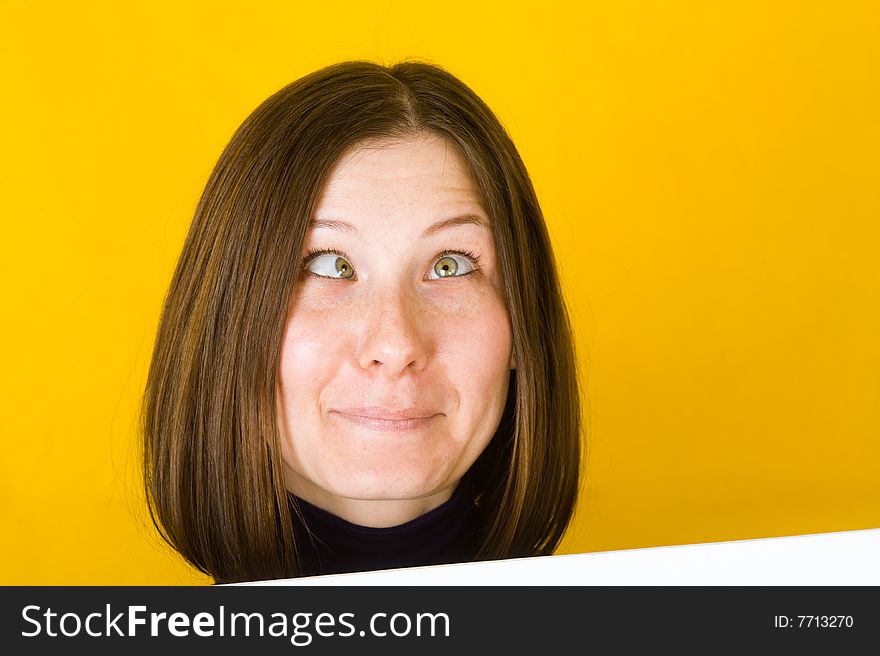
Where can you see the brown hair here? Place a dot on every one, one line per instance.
(212, 463)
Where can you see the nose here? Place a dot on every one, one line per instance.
(393, 335)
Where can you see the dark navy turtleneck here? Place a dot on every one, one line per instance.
(327, 544)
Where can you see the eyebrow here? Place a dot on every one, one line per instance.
(464, 219)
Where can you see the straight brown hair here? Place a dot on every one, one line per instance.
(212, 461)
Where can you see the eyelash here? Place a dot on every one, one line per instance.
(312, 254)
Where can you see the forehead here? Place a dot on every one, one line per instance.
(424, 175)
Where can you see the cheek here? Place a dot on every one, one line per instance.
(309, 353)
(474, 347)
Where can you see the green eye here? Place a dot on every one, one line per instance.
(330, 265)
(453, 265)
(446, 266)
(343, 268)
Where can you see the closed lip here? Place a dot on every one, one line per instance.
(387, 414)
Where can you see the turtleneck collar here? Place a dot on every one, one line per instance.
(327, 544)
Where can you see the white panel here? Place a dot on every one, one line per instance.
(844, 558)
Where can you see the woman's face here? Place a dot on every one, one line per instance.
(397, 350)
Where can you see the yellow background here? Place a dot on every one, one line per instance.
(709, 172)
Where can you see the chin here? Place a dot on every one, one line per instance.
(387, 483)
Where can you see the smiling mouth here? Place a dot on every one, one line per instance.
(380, 420)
